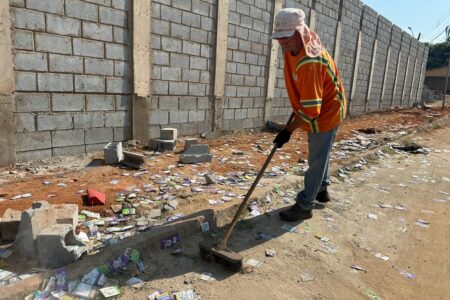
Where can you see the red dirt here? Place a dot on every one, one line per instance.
(99, 177)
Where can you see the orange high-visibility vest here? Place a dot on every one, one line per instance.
(315, 90)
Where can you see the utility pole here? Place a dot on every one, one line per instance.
(446, 80)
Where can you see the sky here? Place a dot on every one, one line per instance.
(428, 17)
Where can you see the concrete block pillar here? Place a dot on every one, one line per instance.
(7, 121)
(312, 19)
(404, 82)
(399, 57)
(141, 69)
(413, 78)
(385, 72)
(355, 73)
(223, 9)
(402, 95)
(272, 72)
(372, 67)
(337, 43)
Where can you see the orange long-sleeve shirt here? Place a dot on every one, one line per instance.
(315, 90)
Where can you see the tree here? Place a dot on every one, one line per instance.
(447, 33)
(436, 56)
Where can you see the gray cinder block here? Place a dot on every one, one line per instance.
(113, 153)
(169, 133)
(161, 145)
(196, 154)
(189, 142)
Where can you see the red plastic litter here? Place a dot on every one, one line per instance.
(96, 197)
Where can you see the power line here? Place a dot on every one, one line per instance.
(437, 36)
(438, 27)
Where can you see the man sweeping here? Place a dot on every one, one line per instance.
(317, 98)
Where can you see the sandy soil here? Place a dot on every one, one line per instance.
(414, 182)
(23, 178)
(354, 239)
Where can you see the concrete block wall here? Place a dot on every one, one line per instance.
(351, 23)
(74, 82)
(410, 74)
(183, 38)
(383, 38)
(247, 58)
(404, 49)
(326, 23)
(422, 72)
(416, 95)
(396, 38)
(369, 25)
(71, 62)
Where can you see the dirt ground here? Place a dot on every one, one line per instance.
(87, 171)
(416, 187)
(304, 265)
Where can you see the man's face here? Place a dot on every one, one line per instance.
(292, 44)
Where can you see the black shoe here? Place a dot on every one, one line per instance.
(295, 213)
(323, 197)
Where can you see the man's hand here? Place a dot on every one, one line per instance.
(282, 138)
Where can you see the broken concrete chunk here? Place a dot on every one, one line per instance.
(66, 214)
(168, 134)
(133, 160)
(58, 246)
(161, 145)
(113, 153)
(189, 142)
(196, 154)
(32, 222)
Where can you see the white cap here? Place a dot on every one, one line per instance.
(289, 20)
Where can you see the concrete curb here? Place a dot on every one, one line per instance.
(185, 227)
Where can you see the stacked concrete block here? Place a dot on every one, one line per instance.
(369, 26)
(401, 74)
(326, 23)
(73, 79)
(72, 60)
(167, 140)
(183, 37)
(407, 101)
(383, 39)
(416, 95)
(196, 154)
(248, 50)
(395, 43)
(351, 21)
